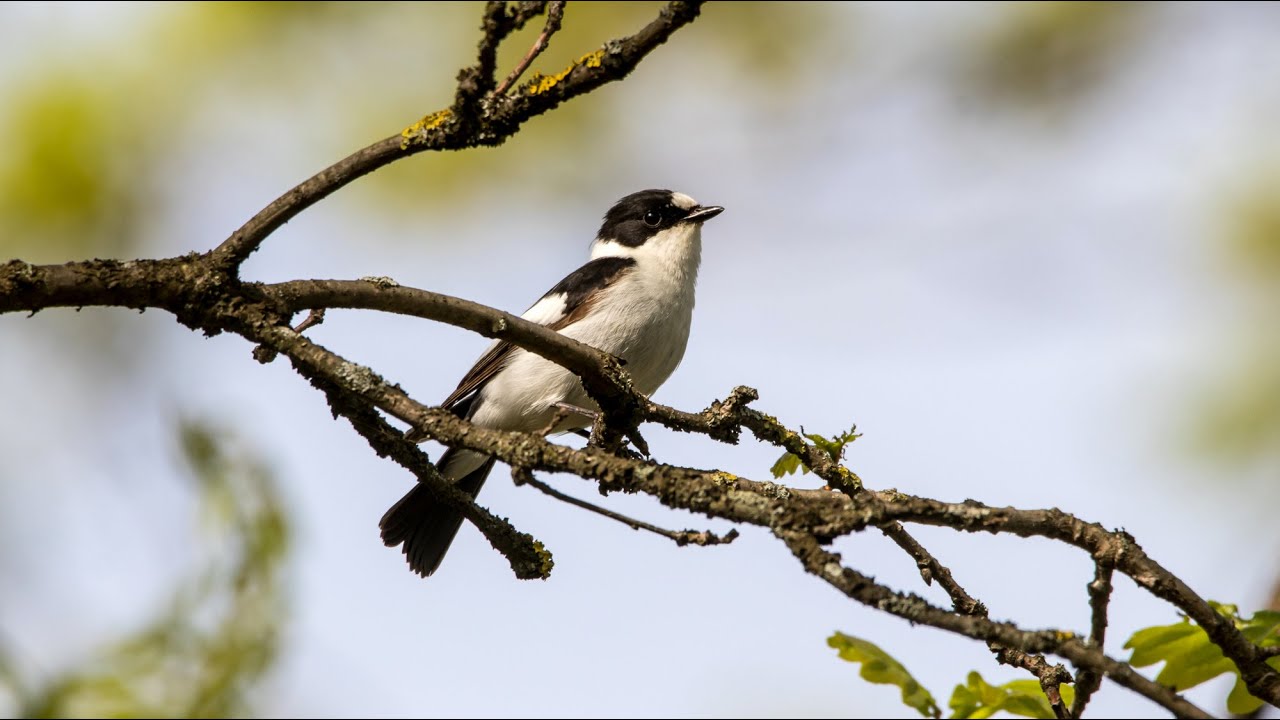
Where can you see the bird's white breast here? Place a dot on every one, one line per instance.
(644, 318)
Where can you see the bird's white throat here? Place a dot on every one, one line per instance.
(670, 258)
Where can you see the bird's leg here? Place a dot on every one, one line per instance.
(638, 443)
(597, 421)
(559, 417)
(564, 410)
(575, 410)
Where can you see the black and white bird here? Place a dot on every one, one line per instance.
(633, 299)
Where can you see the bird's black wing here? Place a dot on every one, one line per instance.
(563, 305)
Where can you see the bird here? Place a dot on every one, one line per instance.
(633, 299)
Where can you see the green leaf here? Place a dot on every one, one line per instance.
(979, 699)
(880, 668)
(1190, 657)
(1153, 644)
(1263, 628)
(788, 464)
(205, 650)
(833, 446)
(1240, 702)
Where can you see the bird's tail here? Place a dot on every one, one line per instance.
(426, 525)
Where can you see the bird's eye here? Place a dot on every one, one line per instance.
(652, 218)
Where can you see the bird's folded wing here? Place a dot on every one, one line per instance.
(485, 368)
(563, 305)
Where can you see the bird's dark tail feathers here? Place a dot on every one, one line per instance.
(425, 525)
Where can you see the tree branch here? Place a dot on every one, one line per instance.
(555, 13)
(523, 476)
(1099, 598)
(529, 559)
(199, 300)
(468, 123)
(203, 298)
(827, 566)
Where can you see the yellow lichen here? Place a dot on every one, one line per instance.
(848, 477)
(544, 556)
(540, 83)
(721, 477)
(418, 129)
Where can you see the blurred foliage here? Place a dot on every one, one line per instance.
(977, 698)
(880, 668)
(1043, 56)
(219, 635)
(67, 181)
(88, 128)
(771, 42)
(834, 447)
(1254, 232)
(91, 128)
(1190, 658)
(1242, 420)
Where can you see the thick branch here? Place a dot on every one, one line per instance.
(603, 373)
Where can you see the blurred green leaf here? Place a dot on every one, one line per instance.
(880, 668)
(218, 634)
(979, 699)
(788, 464)
(769, 42)
(1241, 418)
(1253, 231)
(91, 136)
(65, 176)
(1044, 55)
(1190, 658)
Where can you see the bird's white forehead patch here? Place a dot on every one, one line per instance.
(682, 201)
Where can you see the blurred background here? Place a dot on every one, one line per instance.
(1033, 251)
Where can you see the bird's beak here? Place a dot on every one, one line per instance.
(703, 213)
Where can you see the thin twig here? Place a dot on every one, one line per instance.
(1050, 676)
(264, 354)
(314, 318)
(841, 479)
(1088, 681)
(523, 476)
(555, 13)
(465, 125)
(828, 566)
(1052, 688)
